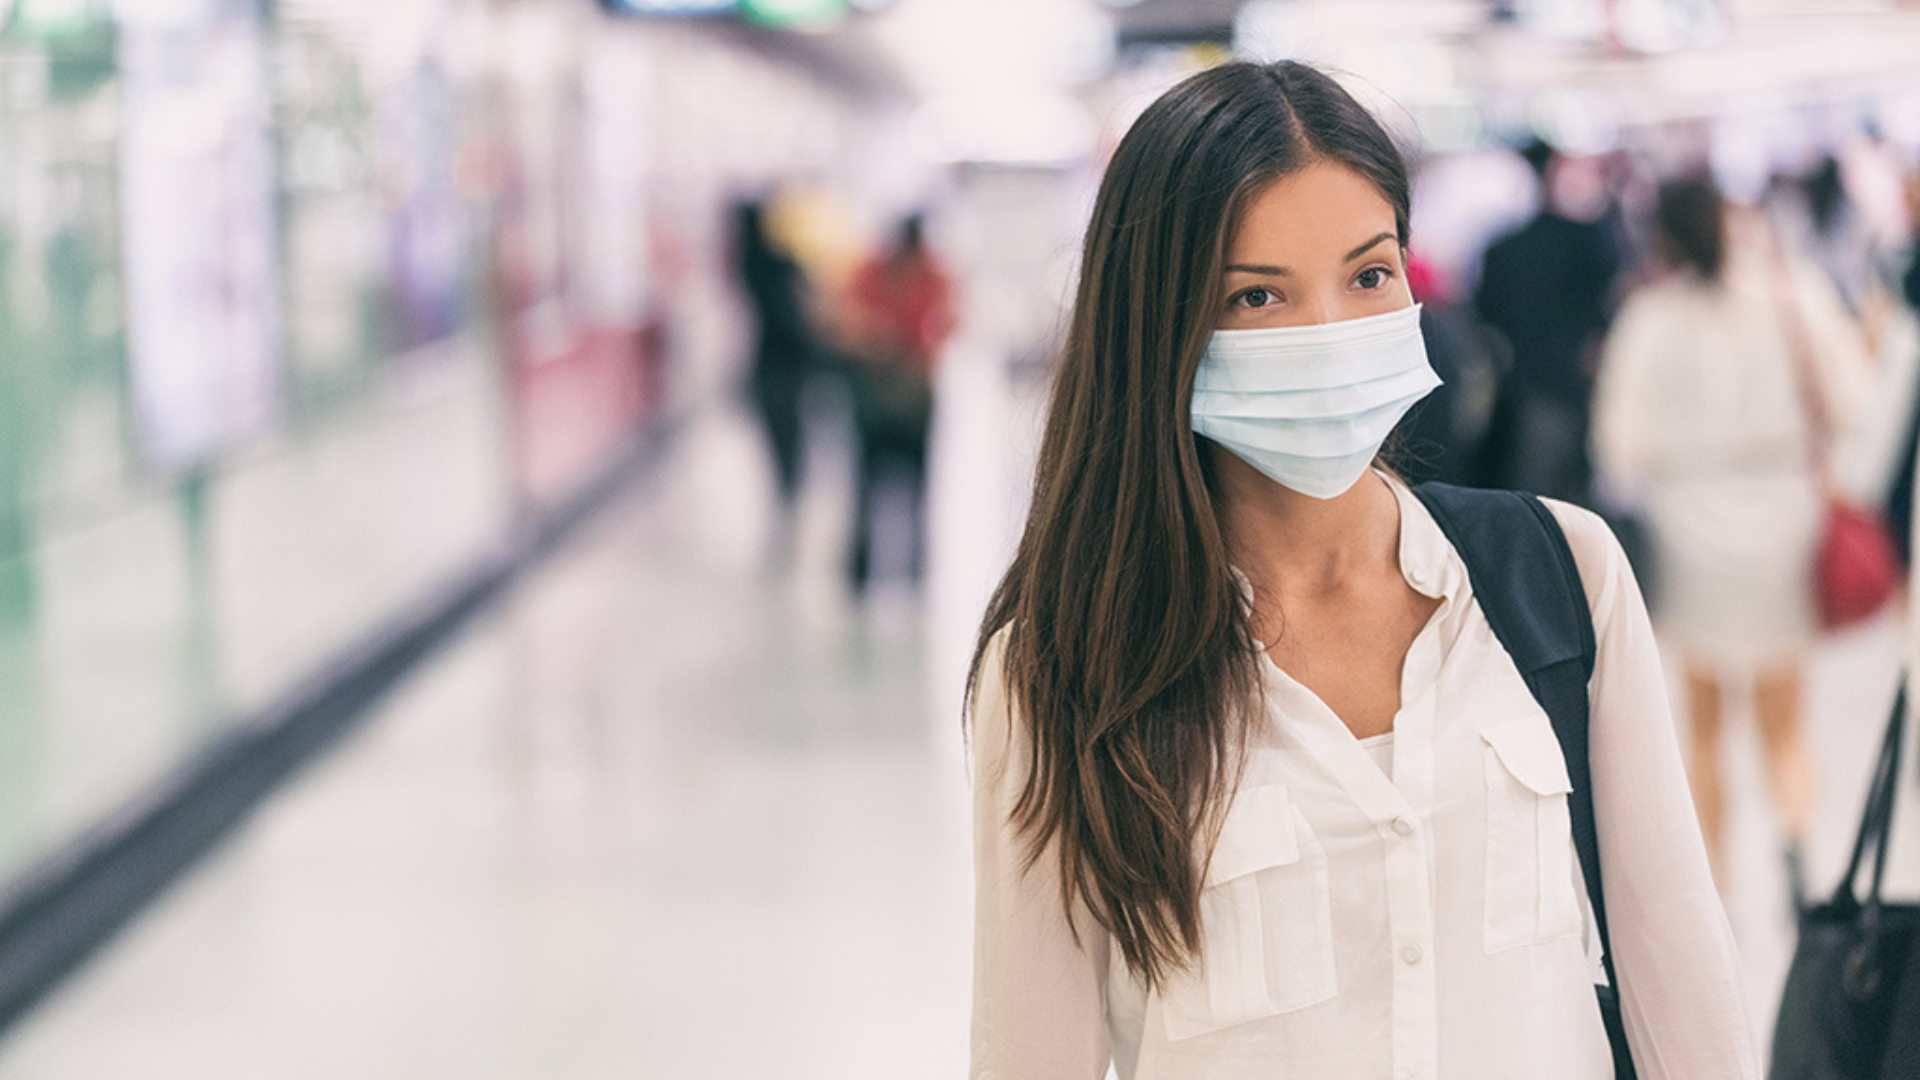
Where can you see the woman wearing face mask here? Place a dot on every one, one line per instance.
(1258, 793)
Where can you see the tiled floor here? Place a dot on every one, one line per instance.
(670, 813)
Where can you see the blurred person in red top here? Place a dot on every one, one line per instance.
(897, 314)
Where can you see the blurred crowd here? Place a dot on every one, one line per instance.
(1710, 374)
(877, 330)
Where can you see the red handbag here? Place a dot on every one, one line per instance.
(1856, 569)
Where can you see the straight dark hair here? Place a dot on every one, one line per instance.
(1127, 649)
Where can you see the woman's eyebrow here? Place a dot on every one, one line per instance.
(1368, 246)
(1281, 271)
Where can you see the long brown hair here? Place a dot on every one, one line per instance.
(1127, 648)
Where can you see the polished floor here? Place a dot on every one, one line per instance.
(679, 808)
(142, 614)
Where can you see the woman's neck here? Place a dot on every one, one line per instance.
(1289, 544)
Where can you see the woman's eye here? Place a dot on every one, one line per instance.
(1373, 277)
(1256, 297)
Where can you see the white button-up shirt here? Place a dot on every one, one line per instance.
(1427, 921)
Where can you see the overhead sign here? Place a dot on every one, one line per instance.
(798, 14)
(669, 7)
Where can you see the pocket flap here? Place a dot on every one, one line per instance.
(1258, 833)
(1532, 754)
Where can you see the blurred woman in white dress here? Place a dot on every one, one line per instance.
(1701, 417)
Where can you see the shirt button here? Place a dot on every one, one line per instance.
(1403, 826)
(1410, 954)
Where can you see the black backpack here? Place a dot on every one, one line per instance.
(1529, 588)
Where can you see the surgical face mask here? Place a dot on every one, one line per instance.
(1309, 406)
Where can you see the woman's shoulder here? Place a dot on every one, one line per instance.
(990, 716)
(1583, 527)
(1597, 553)
(990, 667)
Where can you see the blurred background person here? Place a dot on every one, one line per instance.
(1443, 437)
(1702, 419)
(1910, 277)
(783, 352)
(1829, 214)
(1548, 288)
(1814, 214)
(896, 314)
(1904, 273)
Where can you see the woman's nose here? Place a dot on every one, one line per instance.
(1316, 311)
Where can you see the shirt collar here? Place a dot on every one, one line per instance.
(1427, 559)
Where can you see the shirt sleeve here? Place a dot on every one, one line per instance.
(1039, 996)
(1682, 989)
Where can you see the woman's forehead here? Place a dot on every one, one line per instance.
(1321, 210)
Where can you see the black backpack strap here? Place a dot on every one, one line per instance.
(1529, 588)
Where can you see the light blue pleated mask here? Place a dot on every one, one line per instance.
(1309, 406)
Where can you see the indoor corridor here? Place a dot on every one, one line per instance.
(423, 653)
(668, 811)
(678, 808)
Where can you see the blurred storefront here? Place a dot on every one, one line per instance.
(304, 306)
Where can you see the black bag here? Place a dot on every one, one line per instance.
(1851, 1009)
(1529, 588)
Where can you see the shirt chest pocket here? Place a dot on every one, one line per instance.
(1266, 921)
(1531, 894)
